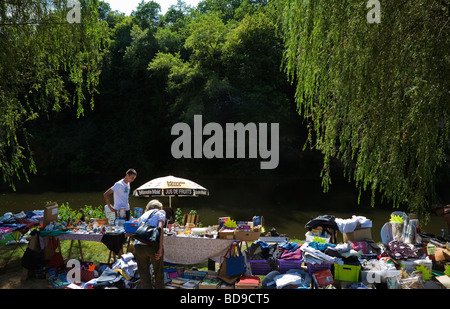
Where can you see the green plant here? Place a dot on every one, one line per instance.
(396, 219)
(94, 212)
(178, 216)
(65, 211)
(230, 224)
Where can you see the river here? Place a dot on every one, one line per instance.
(287, 208)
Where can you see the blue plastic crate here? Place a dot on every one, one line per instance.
(130, 226)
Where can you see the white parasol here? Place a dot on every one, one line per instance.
(171, 186)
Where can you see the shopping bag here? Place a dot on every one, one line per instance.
(235, 264)
(223, 274)
(148, 233)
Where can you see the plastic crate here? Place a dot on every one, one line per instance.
(312, 268)
(347, 272)
(131, 226)
(285, 265)
(259, 267)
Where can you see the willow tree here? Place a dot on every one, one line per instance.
(50, 58)
(373, 82)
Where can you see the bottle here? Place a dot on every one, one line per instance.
(110, 215)
(120, 224)
(122, 212)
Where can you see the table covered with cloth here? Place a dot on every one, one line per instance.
(114, 241)
(194, 250)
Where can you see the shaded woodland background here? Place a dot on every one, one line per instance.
(221, 59)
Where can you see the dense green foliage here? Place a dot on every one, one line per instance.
(65, 212)
(376, 95)
(46, 63)
(211, 60)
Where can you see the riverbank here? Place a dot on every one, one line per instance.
(286, 218)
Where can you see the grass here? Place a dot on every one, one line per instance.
(92, 252)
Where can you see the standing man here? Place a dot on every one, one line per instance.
(121, 190)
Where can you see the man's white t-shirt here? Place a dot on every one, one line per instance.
(121, 193)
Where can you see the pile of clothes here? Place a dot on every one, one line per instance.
(292, 279)
(349, 253)
(260, 250)
(21, 222)
(122, 274)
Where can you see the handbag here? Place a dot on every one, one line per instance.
(147, 233)
(223, 270)
(235, 264)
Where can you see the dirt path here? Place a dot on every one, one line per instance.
(15, 277)
(18, 280)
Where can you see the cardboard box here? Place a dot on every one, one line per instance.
(50, 213)
(226, 233)
(358, 235)
(248, 236)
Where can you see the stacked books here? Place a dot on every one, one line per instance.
(184, 283)
(209, 282)
(59, 281)
(248, 282)
(226, 286)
